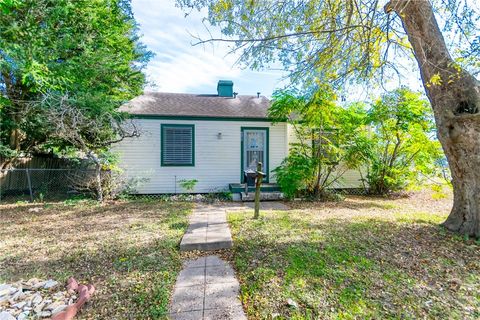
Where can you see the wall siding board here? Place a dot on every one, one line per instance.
(217, 161)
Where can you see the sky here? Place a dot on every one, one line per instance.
(180, 67)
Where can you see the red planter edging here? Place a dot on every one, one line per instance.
(84, 294)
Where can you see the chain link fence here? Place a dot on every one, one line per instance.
(46, 184)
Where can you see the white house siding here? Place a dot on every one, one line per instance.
(217, 161)
(291, 136)
(351, 178)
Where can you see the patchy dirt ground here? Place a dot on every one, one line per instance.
(361, 258)
(128, 250)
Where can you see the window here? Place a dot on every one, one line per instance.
(178, 145)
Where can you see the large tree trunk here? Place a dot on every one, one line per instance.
(456, 105)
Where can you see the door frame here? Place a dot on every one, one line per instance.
(267, 144)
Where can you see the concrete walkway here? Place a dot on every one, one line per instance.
(206, 289)
(208, 230)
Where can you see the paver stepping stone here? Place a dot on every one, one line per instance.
(206, 289)
(208, 230)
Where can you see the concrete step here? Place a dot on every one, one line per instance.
(265, 187)
(264, 196)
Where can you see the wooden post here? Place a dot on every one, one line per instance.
(258, 184)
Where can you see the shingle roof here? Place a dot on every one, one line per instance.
(197, 105)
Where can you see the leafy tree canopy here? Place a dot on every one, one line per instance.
(333, 40)
(53, 53)
(390, 141)
(400, 147)
(324, 133)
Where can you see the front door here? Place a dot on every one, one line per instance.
(255, 149)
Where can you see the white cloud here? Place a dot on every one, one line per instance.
(180, 67)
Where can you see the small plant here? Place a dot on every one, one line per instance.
(41, 197)
(188, 185)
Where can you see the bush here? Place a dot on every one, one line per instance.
(295, 174)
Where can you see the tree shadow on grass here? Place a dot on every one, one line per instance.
(369, 269)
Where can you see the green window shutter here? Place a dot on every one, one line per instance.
(177, 145)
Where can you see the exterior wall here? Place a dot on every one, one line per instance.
(217, 161)
(351, 178)
(291, 136)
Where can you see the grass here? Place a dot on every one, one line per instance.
(128, 250)
(361, 258)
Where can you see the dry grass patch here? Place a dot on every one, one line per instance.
(128, 250)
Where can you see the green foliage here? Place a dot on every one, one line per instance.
(391, 141)
(325, 135)
(332, 40)
(400, 145)
(296, 173)
(84, 55)
(188, 185)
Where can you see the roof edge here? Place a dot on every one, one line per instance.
(204, 118)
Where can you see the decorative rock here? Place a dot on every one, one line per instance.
(18, 295)
(3, 300)
(39, 307)
(45, 314)
(37, 298)
(41, 299)
(50, 284)
(4, 315)
(292, 304)
(59, 309)
(5, 289)
(20, 305)
(23, 315)
(54, 305)
(40, 284)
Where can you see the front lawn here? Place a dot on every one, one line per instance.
(128, 250)
(361, 258)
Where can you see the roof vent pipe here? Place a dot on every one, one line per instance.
(235, 94)
(258, 94)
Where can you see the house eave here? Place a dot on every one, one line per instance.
(202, 118)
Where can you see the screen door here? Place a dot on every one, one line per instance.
(254, 148)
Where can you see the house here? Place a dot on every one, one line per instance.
(210, 138)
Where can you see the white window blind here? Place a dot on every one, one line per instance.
(177, 145)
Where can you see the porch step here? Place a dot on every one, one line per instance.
(264, 196)
(265, 187)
